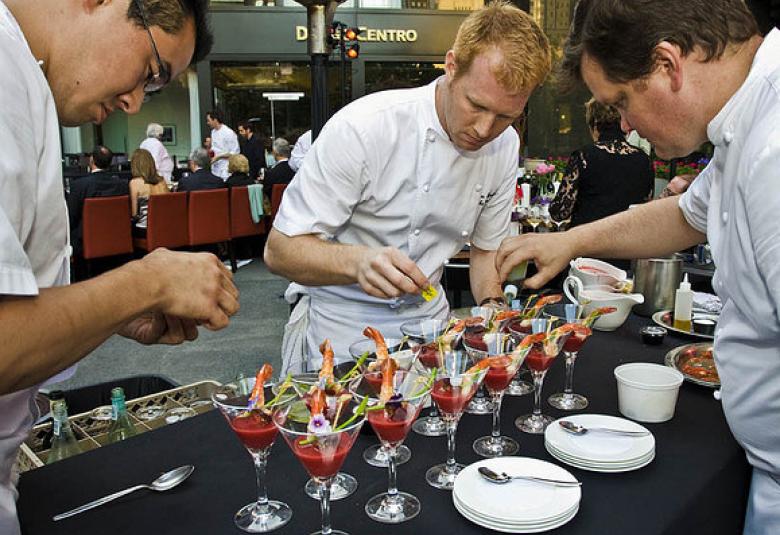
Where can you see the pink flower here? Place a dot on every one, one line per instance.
(544, 168)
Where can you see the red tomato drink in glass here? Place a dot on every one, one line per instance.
(255, 430)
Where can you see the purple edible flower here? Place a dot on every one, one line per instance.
(319, 425)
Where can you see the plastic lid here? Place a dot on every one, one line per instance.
(685, 285)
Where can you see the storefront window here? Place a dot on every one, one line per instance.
(398, 75)
(239, 88)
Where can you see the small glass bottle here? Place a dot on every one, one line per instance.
(121, 425)
(63, 442)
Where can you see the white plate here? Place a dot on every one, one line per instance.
(599, 447)
(518, 501)
(508, 528)
(561, 455)
(603, 469)
(480, 515)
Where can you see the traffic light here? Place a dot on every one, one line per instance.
(353, 51)
(351, 34)
(346, 38)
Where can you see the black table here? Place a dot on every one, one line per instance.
(696, 485)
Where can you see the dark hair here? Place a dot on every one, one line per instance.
(601, 116)
(142, 166)
(246, 125)
(170, 16)
(102, 157)
(621, 36)
(215, 114)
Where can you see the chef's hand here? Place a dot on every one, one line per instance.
(386, 272)
(157, 328)
(550, 252)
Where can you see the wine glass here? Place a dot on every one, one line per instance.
(321, 454)
(344, 484)
(392, 420)
(256, 431)
(504, 355)
(545, 348)
(561, 223)
(572, 314)
(454, 386)
(534, 216)
(425, 333)
(377, 454)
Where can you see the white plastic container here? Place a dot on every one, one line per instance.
(647, 392)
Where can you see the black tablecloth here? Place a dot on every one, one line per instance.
(696, 485)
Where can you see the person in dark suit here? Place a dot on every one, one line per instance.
(238, 167)
(101, 182)
(281, 173)
(200, 176)
(252, 147)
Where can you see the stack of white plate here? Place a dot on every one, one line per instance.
(517, 506)
(599, 451)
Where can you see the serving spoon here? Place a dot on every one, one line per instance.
(166, 481)
(576, 429)
(503, 477)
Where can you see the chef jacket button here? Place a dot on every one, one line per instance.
(426, 188)
(479, 187)
(416, 232)
(728, 137)
(431, 137)
(725, 216)
(464, 233)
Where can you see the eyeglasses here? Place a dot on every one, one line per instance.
(155, 81)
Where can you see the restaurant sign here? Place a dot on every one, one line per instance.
(370, 35)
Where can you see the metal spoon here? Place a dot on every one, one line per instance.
(165, 482)
(503, 477)
(576, 429)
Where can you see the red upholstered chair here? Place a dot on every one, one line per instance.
(208, 219)
(166, 222)
(106, 227)
(277, 192)
(241, 223)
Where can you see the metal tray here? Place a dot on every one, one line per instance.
(663, 318)
(677, 357)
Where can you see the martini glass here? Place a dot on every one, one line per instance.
(568, 400)
(321, 455)
(454, 386)
(256, 431)
(545, 349)
(505, 356)
(391, 422)
(377, 454)
(425, 333)
(480, 403)
(519, 328)
(344, 485)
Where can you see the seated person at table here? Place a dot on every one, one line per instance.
(145, 183)
(399, 181)
(238, 167)
(101, 182)
(200, 176)
(281, 173)
(605, 177)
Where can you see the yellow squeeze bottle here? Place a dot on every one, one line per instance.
(683, 306)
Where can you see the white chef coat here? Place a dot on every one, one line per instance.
(34, 250)
(736, 201)
(162, 160)
(300, 149)
(223, 141)
(383, 172)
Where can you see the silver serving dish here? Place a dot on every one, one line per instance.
(679, 356)
(664, 319)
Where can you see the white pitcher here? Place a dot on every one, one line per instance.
(597, 296)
